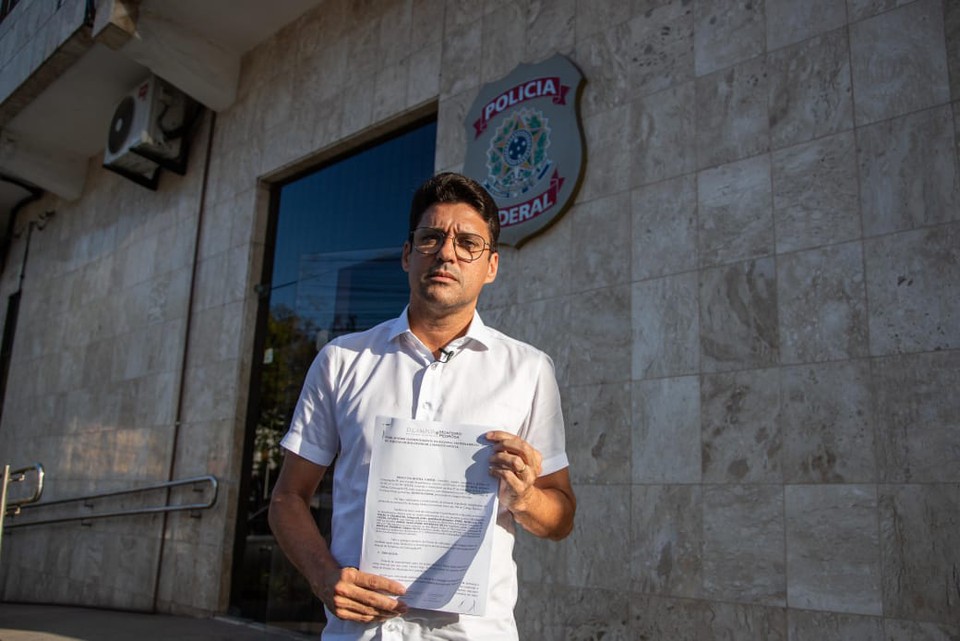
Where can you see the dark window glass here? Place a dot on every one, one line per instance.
(6, 347)
(7, 6)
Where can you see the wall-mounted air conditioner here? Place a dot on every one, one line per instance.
(150, 130)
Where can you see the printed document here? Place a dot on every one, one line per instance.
(430, 513)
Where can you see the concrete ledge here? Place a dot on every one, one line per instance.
(29, 622)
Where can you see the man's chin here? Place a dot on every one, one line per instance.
(438, 298)
(439, 289)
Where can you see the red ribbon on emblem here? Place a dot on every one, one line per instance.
(532, 208)
(529, 90)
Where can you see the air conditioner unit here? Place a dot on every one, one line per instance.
(149, 130)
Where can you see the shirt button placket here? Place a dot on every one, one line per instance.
(427, 407)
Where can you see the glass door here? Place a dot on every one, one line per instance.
(337, 235)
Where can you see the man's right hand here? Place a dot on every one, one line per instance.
(353, 595)
(348, 593)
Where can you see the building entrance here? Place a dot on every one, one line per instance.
(334, 267)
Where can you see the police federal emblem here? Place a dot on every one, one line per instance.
(525, 146)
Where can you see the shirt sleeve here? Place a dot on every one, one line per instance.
(544, 429)
(313, 430)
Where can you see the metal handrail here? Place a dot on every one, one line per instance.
(210, 479)
(14, 507)
(18, 476)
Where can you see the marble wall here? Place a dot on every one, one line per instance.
(94, 375)
(754, 313)
(752, 307)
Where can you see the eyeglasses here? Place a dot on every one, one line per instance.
(429, 240)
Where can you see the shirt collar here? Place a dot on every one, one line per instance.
(477, 331)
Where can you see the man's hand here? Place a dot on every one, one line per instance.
(518, 465)
(353, 595)
(347, 592)
(542, 505)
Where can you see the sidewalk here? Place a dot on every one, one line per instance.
(23, 622)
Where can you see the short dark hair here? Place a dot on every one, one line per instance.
(449, 187)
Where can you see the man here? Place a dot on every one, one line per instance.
(437, 361)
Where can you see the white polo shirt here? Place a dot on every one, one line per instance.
(489, 379)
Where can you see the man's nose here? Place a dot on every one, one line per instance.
(448, 250)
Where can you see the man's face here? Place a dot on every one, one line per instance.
(441, 282)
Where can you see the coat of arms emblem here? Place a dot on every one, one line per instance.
(524, 145)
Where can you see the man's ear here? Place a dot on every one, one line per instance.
(492, 266)
(405, 256)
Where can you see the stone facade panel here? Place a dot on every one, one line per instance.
(560, 614)
(544, 262)
(666, 330)
(908, 172)
(462, 51)
(604, 58)
(598, 15)
(390, 92)
(551, 27)
(743, 543)
(920, 546)
(738, 317)
(423, 74)
(662, 46)
(666, 422)
(828, 424)
(662, 135)
(822, 304)
(727, 33)
(858, 10)
(741, 439)
(810, 90)
(594, 555)
(733, 120)
(790, 22)
(503, 41)
(816, 196)
(451, 134)
(664, 228)
(807, 625)
(602, 223)
(913, 290)
(734, 212)
(898, 60)
(599, 431)
(666, 556)
(918, 435)
(833, 550)
(654, 617)
(599, 342)
(920, 630)
(951, 22)
(609, 172)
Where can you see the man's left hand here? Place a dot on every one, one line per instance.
(542, 505)
(517, 464)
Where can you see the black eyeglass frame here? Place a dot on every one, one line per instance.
(456, 247)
